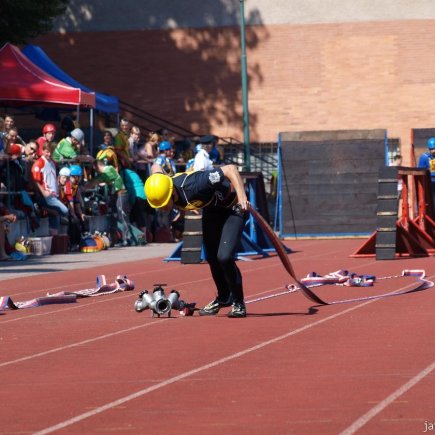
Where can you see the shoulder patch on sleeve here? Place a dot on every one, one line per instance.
(214, 177)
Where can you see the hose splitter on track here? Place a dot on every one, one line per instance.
(160, 305)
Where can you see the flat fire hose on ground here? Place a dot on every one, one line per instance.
(284, 258)
(121, 283)
(423, 284)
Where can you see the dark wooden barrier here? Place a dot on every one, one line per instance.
(328, 182)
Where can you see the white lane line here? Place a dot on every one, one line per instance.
(140, 393)
(58, 349)
(79, 343)
(364, 419)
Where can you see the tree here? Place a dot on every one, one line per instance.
(22, 20)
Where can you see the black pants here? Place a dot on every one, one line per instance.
(222, 232)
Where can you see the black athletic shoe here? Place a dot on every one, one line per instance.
(238, 310)
(212, 308)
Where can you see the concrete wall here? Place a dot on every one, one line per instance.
(313, 65)
(107, 15)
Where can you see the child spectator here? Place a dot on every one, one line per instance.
(76, 174)
(69, 147)
(65, 190)
(107, 152)
(45, 178)
(48, 133)
(67, 198)
(165, 160)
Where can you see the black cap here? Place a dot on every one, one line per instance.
(209, 138)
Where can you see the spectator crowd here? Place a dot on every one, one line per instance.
(56, 176)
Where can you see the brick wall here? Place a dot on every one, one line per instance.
(301, 77)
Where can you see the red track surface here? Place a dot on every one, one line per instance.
(98, 366)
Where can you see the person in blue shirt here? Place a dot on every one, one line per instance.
(427, 161)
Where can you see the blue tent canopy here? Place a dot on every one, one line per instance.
(105, 103)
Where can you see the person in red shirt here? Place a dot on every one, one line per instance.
(45, 177)
(66, 195)
(65, 190)
(48, 133)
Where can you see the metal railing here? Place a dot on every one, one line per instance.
(264, 157)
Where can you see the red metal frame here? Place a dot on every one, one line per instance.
(415, 236)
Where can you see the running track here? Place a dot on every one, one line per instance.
(98, 366)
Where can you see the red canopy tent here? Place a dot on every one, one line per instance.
(22, 82)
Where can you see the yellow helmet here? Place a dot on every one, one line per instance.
(158, 190)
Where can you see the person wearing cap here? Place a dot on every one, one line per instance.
(66, 196)
(48, 133)
(220, 193)
(164, 159)
(76, 174)
(69, 147)
(202, 160)
(107, 153)
(427, 161)
(65, 189)
(209, 141)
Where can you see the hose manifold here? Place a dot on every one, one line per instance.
(160, 305)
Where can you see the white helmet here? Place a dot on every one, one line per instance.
(65, 171)
(78, 134)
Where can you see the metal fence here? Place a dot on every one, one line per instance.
(264, 158)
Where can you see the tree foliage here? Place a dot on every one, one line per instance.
(23, 20)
